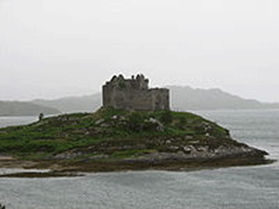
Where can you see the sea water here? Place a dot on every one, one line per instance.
(235, 187)
(16, 120)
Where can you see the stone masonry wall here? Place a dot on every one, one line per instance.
(133, 94)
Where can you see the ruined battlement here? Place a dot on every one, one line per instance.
(134, 94)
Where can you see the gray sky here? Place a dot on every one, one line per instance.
(56, 48)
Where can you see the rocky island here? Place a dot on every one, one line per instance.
(117, 139)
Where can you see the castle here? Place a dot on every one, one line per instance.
(134, 94)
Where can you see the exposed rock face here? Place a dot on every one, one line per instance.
(134, 94)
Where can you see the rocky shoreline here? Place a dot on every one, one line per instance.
(222, 157)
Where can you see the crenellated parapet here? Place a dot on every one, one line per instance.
(138, 83)
(134, 94)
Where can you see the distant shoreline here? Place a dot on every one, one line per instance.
(183, 98)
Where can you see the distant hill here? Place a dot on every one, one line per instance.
(8, 108)
(182, 98)
(73, 104)
(187, 98)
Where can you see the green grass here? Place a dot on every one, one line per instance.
(54, 135)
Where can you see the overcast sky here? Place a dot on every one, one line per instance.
(57, 48)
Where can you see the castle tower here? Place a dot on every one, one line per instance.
(134, 94)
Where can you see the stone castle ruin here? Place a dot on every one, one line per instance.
(134, 94)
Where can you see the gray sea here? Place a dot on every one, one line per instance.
(236, 187)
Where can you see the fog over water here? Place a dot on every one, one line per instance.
(51, 49)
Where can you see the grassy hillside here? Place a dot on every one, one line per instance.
(55, 135)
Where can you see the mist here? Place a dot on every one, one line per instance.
(51, 49)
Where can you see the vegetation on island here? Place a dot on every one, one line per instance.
(112, 139)
(51, 136)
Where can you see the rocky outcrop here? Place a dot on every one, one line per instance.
(202, 154)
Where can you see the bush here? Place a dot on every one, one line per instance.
(136, 121)
(182, 121)
(166, 118)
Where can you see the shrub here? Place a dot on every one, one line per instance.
(136, 121)
(182, 121)
(166, 118)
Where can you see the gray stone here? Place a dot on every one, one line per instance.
(173, 148)
(134, 94)
(159, 127)
(99, 121)
(168, 142)
(188, 137)
(98, 157)
(194, 142)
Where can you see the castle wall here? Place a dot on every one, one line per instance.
(128, 94)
